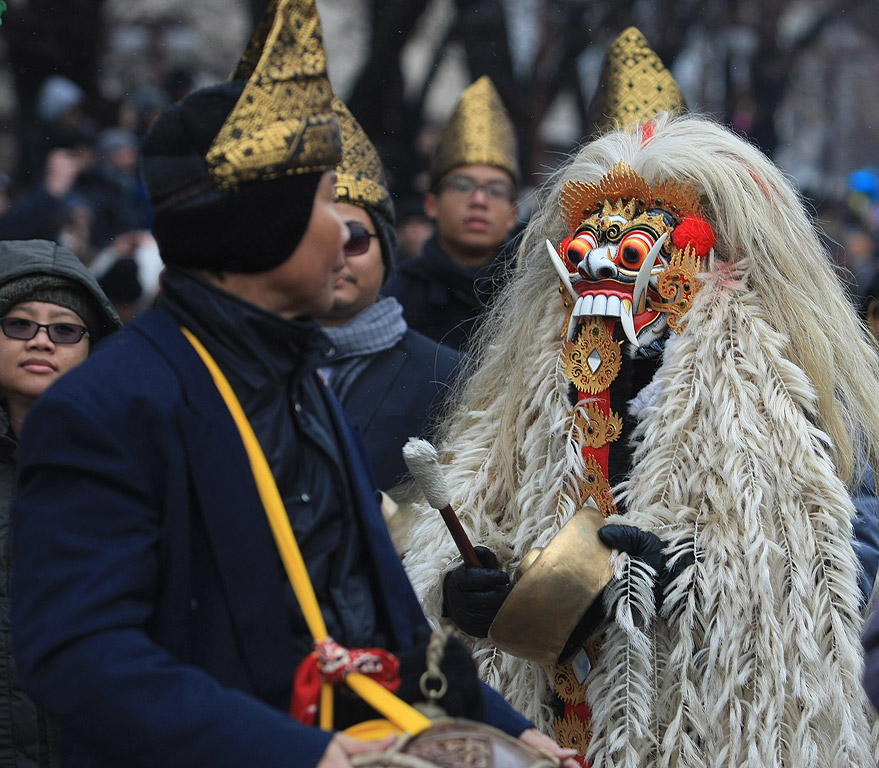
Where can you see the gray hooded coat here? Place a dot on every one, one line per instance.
(27, 740)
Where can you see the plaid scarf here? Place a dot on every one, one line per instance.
(373, 330)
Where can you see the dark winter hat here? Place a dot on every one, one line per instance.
(40, 270)
(53, 289)
(232, 170)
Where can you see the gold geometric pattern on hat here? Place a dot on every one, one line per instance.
(593, 361)
(579, 200)
(596, 427)
(360, 177)
(635, 86)
(479, 132)
(283, 123)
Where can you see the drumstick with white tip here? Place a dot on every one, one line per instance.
(423, 462)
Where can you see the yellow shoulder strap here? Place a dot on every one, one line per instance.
(401, 714)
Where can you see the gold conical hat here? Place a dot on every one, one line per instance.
(635, 85)
(360, 177)
(479, 132)
(283, 123)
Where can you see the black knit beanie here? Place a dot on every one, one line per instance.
(252, 228)
(53, 289)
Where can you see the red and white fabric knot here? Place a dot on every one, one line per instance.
(331, 663)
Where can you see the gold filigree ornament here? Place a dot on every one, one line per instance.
(596, 427)
(283, 123)
(677, 285)
(579, 200)
(572, 733)
(567, 686)
(593, 361)
(595, 487)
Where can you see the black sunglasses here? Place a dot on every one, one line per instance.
(59, 333)
(358, 243)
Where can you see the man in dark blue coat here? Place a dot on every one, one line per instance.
(472, 200)
(390, 379)
(152, 617)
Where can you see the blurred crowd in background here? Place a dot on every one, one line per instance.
(74, 178)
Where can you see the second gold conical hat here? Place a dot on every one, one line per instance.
(283, 123)
(479, 132)
(635, 86)
(360, 177)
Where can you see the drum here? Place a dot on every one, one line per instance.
(456, 743)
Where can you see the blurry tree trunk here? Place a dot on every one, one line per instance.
(772, 67)
(377, 99)
(52, 37)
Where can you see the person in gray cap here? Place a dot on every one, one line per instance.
(52, 313)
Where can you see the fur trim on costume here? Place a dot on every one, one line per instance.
(510, 519)
(746, 438)
(759, 661)
(756, 660)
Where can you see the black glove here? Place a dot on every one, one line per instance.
(473, 596)
(648, 548)
(464, 695)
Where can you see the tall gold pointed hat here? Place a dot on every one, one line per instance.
(479, 132)
(635, 85)
(283, 123)
(360, 177)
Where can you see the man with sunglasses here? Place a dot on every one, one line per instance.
(472, 201)
(389, 378)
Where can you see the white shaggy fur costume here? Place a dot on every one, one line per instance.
(743, 453)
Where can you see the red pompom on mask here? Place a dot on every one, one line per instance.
(695, 232)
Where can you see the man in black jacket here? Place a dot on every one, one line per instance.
(474, 178)
(390, 379)
(159, 614)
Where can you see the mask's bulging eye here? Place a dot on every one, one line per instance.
(634, 248)
(580, 246)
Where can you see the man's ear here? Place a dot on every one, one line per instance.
(430, 206)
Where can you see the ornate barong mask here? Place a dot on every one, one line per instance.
(633, 255)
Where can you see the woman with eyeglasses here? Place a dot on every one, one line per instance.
(52, 313)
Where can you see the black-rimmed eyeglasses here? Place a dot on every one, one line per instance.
(358, 243)
(464, 186)
(59, 333)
